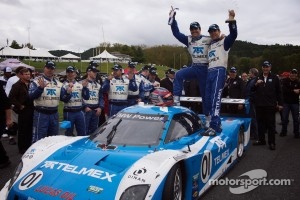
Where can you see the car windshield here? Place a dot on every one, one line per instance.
(131, 129)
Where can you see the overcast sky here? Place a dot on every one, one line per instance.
(78, 25)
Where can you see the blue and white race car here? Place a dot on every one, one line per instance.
(143, 152)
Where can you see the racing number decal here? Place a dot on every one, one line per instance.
(206, 164)
(30, 180)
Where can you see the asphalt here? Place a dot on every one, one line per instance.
(283, 163)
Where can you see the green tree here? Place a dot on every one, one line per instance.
(15, 45)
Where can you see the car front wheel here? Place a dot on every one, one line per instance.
(240, 145)
(173, 185)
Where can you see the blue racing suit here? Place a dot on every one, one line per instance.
(134, 96)
(73, 109)
(197, 48)
(94, 102)
(46, 100)
(145, 89)
(117, 90)
(216, 77)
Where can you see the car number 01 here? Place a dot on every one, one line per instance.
(30, 180)
(206, 166)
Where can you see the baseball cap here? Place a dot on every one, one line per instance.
(131, 64)
(93, 63)
(70, 69)
(92, 68)
(153, 71)
(146, 67)
(195, 25)
(117, 67)
(294, 71)
(233, 70)
(7, 69)
(213, 27)
(170, 71)
(266, 64)
(50, 64)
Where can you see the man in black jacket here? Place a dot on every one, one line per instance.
(290, 92)
(233, 88)
(167, 82)
(23, 106)
(268, 97)
(249, 95)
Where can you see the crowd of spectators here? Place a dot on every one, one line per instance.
(31, 103)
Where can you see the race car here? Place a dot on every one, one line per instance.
(143, 152)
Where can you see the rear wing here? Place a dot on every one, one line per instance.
(223, 100)
(244, 102)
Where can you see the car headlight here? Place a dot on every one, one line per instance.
(136, 192)
(16, 175)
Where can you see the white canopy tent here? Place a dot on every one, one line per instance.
(69, 56)
(26, 52)
(13, 64)
(105, 56)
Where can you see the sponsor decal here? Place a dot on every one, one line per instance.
(206, 164)
(95, 173)
(30, 180)
(29, 154)
(219, 142)
(75, 94)
(92, 93)
(55, 192)
(139, 171)
(136, 173)
(50, 98)
(139, 179)
(221, 157)
(195, 186)
(51, 92)
(198, 50)
(94, 189)
(140, 117)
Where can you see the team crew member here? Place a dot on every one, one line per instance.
(234, 88)
(197, 45)
(12, 80)
(134, 96)
(290, 93)
(268, 97)
(72, 94)
(6, 75)
(45, 91)
(23, 106)
(218, 58)
(249, 96)
(117, 87)
(95, 103)
(147, 86)
(167, 82)
(152, 78)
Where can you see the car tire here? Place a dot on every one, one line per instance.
(240, 144)
(173, 185)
